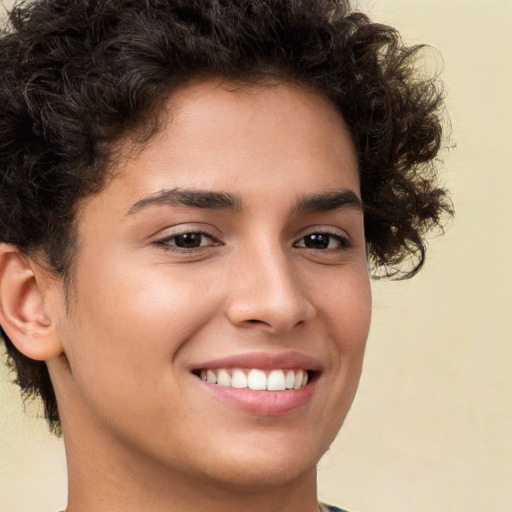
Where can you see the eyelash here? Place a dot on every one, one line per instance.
(167, 244)
(343, 242)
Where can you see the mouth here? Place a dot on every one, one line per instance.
(257, 379)
(264, 384)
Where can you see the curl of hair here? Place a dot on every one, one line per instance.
(79, 75)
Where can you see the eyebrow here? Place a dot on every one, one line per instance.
(327, 201)
(204, 199)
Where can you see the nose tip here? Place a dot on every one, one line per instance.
(272, 299)
(275, 319)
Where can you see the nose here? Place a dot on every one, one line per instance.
(266, 293)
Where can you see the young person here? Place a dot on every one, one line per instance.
(194, 194)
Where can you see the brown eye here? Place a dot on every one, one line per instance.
(317, 241)
(189, 240)
(323, 241)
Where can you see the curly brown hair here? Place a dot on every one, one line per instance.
(79, 75)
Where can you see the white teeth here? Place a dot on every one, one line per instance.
(290, 379)
(238, 379)
(255, 379)
(223, 378)
(276, 381)
(298, 379)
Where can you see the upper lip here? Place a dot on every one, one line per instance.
(263, 361)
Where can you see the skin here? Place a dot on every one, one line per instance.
(139, 427)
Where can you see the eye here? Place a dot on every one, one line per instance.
(188, 241)
(324, 241)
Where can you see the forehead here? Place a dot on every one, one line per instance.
(249, 140)
(284, 125)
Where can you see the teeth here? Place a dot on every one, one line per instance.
(255, 379)
(238, 379)
(223, 378)
(276, 381)
(290, 379)
(298, 379)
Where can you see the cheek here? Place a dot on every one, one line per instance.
(346, 316)
(355, 313)
(345, 304)
(133, 321)
(143, 297)
(123, 338)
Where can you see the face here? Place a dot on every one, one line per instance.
(221, 300)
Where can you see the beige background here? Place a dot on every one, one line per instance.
(431, 427)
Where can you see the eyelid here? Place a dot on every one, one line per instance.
(187, 227)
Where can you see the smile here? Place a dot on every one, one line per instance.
(261, 383)
(257, 379)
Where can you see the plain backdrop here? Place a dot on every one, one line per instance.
(430, 429)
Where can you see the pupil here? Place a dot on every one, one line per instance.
(317, 241)
(188, 240)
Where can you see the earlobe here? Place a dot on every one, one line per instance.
(23, 315)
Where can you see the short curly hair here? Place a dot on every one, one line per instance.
(79, 75)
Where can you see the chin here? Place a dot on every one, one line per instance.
(266, 464)
(264, 476)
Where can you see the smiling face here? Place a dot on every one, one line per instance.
(221, 300)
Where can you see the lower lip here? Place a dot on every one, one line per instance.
(262, 403)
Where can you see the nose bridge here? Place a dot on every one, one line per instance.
(266, 291)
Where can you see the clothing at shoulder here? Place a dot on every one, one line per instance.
(328, 508)
(332, 508)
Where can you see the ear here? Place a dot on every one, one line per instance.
(23, 316)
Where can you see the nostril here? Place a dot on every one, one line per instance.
(255, 321)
